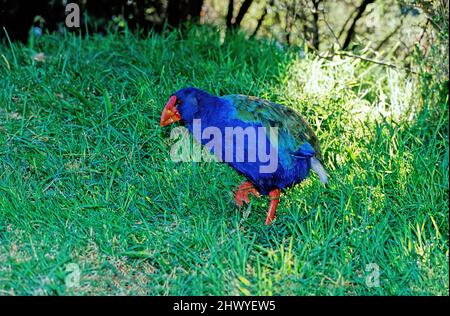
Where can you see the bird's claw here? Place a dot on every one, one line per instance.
(242, 192)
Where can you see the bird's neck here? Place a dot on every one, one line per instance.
(213, 111)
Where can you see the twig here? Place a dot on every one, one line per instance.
(315, 14)
(351, 30)
(370, 60)
(386, 39)
(344, 26)
(229, 19)
(260, 21)
(332, 32)
(424, 31)
(242, 11)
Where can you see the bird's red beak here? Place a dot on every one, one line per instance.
(170, 113)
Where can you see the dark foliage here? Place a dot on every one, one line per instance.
(49, 15)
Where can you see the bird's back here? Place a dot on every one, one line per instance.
(271, 114)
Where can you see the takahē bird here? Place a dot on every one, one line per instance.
(270, 144)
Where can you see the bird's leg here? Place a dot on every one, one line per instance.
(242, 193)
(274, 198)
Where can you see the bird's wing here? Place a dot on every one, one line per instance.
(270, 114)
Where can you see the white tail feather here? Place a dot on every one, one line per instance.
(317, 167)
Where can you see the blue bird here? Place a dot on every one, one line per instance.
(270, 144)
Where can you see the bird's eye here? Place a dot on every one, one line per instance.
(178, 102)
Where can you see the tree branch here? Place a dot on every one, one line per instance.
(351, 30)
(242, 11)
(370, 60)
(386, 39)
(261, 19)
(336, 39)
(229, 20)
(345, 24)
(315, 14)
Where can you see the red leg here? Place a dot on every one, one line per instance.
(274, 198)
(242, 192)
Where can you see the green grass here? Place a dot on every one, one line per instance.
(86, 179)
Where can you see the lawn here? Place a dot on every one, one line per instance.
(90, 202)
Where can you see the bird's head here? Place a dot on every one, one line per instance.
(181, 106)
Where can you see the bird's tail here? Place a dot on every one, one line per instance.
(317, 167)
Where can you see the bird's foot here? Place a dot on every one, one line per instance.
(274, 199)
(242, 192)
